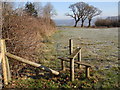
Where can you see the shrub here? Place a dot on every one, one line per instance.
(26, 34)
(107, 23)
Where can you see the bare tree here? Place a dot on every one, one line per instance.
(85, 14)
(7, 11)
(49, 11)
(74, 14)
(20, 8)
(82, 11)
(79, 12)
(7, 8)
(93, 12)
(39, 8)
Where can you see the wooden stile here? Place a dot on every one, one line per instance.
(71, 59)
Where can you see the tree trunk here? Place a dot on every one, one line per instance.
(89, 22)
(76, 22)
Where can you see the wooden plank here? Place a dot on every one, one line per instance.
(32, 63)
(83, 63)
(4, 68)
(76, 62)
(75, 53)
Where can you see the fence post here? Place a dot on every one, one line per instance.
(87, 72)
(7, 65)
(63, 65)
(79, 59)
(71, 69)
(71, 60)
(4, 68)
(71, 46)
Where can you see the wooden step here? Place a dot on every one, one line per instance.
(76, 62)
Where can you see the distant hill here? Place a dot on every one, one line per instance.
(70, 22)
(64, 22)
(113, 18)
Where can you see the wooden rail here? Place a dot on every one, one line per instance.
(74, 54)
(32, 63)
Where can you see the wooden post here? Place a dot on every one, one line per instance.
(72, 69)
(71, 60)
(79, 59)
(71, 46)
(7, 65)
(63, 65)
(87, 72)
(4, 68)
(8, 69)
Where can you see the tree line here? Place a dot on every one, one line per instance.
(33, 9)
(81, 11)
(37, 10)
(108, 22)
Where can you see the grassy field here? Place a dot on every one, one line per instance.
(99, 48)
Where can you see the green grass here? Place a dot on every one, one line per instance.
(99, 79)
(98, 51)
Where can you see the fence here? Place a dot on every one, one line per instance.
(5, 63)
(71, 59)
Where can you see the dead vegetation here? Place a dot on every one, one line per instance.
(25, 35)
